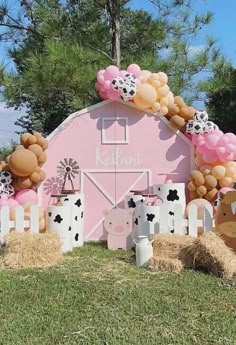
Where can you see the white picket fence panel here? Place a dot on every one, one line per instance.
(180, 224)
(19, 224)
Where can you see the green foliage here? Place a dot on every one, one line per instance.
(6, 150)
(59, 47)
(100, 297)
(221, 96)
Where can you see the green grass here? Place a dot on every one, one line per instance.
(100, 297)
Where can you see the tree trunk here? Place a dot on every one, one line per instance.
(114, 13)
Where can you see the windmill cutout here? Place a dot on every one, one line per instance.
(68, 168)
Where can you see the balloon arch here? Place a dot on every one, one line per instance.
(215, 151)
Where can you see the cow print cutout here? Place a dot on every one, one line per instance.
(66, 199)
(82, 214)
(150, 217)
(171, 213)
(69, 228)
(78, 203)
(76, 218)
(3, 180)
(58, 219)
(173, 195)
(159, 189)
(172, 231)
(49, 214)
(131, 203)
(77, 237)
(136, 221)
(141, 200)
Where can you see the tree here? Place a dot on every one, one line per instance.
(221, 96)
(6, 150)
(57, 55)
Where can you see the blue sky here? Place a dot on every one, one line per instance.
(223, 28)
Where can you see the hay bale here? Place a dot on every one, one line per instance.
(160, 264)
(210, 253)
(170, 245)
(32, 250)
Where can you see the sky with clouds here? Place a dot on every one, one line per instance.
(223, 28)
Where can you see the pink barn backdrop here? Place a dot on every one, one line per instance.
(118, 147)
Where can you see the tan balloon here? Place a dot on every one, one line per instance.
(218, 171)
(164, 110)
(36, 149)
(163, 78)
(23, 162)
(201, 190)
(147, 94)
(156, 106)
(144, 75)
(210, 182)
(163, 91)
(177, 121)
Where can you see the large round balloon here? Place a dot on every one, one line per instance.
(22, 162)
(26, 195)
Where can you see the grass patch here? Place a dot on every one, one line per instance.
(99, 297)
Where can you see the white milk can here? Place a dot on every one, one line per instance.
(144, 250)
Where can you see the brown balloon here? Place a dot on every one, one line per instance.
(42, 158)
(36, 149)
(210, 182)
(198, 177)
(201, 190)
(23, 162)
(211, 194)
(35, 177)
(177, 121)
(24, 182)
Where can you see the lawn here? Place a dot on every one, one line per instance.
(100, 297)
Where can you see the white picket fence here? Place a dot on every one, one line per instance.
(19, 224)
(178, 222)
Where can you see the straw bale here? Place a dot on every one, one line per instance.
(32, 250)
(170, 245)
(210, 253)
(162, 264)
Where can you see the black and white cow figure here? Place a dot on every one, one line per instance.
(133, 201)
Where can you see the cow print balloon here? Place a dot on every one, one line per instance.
(128, 92)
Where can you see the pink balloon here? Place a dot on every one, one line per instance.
(197, 139)
(201, 148)
(135, 69)
(107, 84)
(220, 150)
(225, 157)
(122, 73)
(137, 82)
(231, 137)
(111, 72)
(103, 94)
(12, 202)
(209, 156)
(113, 94)
(26, 195)
(223, 140)
(100, 76)
(230, 148)
(211, 141)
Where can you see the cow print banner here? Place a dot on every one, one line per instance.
(76, 202)
(59, 220)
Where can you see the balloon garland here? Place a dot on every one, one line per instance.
(215, 152)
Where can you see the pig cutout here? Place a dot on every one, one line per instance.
(118, 223)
